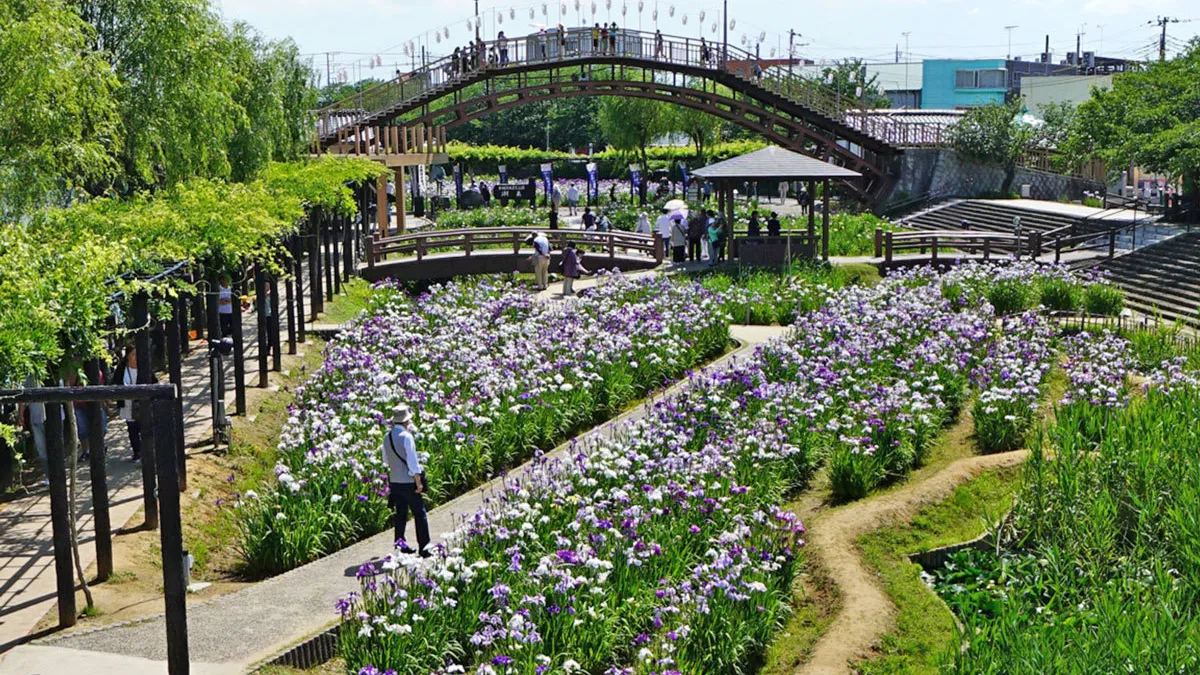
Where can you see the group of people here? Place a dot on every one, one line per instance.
(697, 236)
(571, 264)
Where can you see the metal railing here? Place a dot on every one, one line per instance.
(468, 241)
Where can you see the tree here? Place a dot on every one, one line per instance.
(844, 80)
(995, 134)
(700, 127)
(629, 123)
(58, 113)
(1150, 118)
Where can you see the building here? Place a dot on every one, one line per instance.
(968, 83)
(1073, 89)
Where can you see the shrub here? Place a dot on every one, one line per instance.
(1103, 300)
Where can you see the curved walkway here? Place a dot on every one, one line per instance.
(244, 628)
(867, 612)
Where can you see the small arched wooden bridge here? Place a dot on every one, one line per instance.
(791, 111)
(443, 254)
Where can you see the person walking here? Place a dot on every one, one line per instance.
(643, 224)
(704, 53)
(225, 306)
(678, 239)
(572, 198)
(658, 44)
(572, 268)
(406, 481)
(802, 198)
(540, 259)
(783, 191)
(662, 225)
(81, 419)
(37, 427)
(555, 198)
(126, 375)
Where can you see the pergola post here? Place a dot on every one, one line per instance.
(825, 220)
(60, 516)
(400, 200)
(381, 206)
(812, 218)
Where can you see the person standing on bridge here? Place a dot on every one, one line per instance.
(542, 42)
(572, 268)
(705, 55)
(503, 48)
(612, 39)
(562, 41)
(596, 39)
(540, 259)
(658, 44)
(406, 481)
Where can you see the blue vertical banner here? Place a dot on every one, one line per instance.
(593, 182)
(635, 180)
(547, 177)
(503, 173)
(684, 171)
(457, 181)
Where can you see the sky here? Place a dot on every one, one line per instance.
(348, 35)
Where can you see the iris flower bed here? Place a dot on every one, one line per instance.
(1010, 381)
(492, 376)
(1099, 569)
(663, 548)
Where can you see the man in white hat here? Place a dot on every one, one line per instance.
(407, 480)
(540, 259)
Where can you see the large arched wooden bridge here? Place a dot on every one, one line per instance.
(794, 112)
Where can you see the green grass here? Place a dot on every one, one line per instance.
(357, 297)
(925, 627)
(815, 604)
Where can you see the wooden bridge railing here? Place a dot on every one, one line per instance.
(381, 140)
(889, 244)
(468, 241)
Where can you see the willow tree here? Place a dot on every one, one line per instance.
(58, 112)
(629, 123)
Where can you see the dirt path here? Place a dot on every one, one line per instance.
(867, 611)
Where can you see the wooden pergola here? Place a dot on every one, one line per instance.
(776, 164)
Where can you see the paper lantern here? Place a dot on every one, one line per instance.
(446, 33)
(685, 19)
(714, 28)
(654, 15)
(438, 37)
(624, 9)
(671, 11)
(641, 6)
(544, 9)
(499, 18)
(762, 36)
(564, 8)
(531, 13)
(608, 4)
(512, 13)
(732, 24)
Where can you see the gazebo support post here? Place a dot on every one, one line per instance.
(812, 219)
(825, 220)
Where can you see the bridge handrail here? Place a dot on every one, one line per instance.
(631, 44)
(467, 239)
(888, 243)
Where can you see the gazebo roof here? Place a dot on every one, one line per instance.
(774, 163)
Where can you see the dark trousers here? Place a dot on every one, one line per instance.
(226, 324)
(718, 252)
(677, 254)
(403, 498)
(135, 437)
(693, 250)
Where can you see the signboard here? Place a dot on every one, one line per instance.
(511, 191)
(503, 173)
(593, 182)
(547, 177)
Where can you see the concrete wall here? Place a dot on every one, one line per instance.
(943, 173)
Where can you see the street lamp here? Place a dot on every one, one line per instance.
(907, 58)
(1010, 30)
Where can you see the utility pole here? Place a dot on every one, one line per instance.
(1162, 40)
(477, 19)
(725, 33)
(791, 49)
(1079, 46)
(1010, 30)
(906, 58)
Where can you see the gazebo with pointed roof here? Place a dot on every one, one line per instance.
(774, 163)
